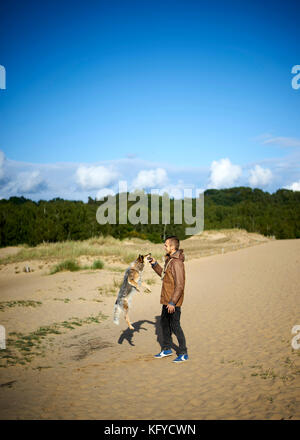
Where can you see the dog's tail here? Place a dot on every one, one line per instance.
(117, 311)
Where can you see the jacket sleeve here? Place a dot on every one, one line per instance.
(157, 268)
(179, 280)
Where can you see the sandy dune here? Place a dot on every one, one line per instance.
(237, 315)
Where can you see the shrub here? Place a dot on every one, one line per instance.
(70, 265)
(97, 264)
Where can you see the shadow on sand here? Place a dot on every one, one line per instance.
(128, 334)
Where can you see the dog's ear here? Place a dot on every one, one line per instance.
(141, 258)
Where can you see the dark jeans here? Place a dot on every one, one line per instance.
(170, 323)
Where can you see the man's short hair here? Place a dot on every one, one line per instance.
(174, 241)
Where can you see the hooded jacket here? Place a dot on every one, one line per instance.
(174, 278)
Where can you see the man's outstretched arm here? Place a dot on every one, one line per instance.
(157, 268)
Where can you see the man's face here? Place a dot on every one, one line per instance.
(168, 247)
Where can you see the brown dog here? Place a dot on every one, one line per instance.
(131, 283)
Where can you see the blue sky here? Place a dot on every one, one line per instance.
(162, 94)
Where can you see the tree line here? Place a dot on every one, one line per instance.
(23, 221)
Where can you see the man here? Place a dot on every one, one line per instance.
(172, 292)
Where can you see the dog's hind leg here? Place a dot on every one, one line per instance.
(117, 311)
(126, 308)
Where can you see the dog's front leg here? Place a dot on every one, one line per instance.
(133, 278)
(134, 284)
(146, 287)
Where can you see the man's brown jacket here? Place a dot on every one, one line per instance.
(174, 278)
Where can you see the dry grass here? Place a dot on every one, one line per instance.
(73, 266)
(22, 348)
(22, 303)
(126, 251)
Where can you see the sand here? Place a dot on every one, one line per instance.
(238, 313)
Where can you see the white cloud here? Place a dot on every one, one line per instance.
(31, 182)
(25, 183)
(223, 173)
(294, 186)
(95, 177)
(180, 190)
(46, 181)
(283, 141)
(260, 176)
(174, 191)
(104, 192)
(150, 179)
